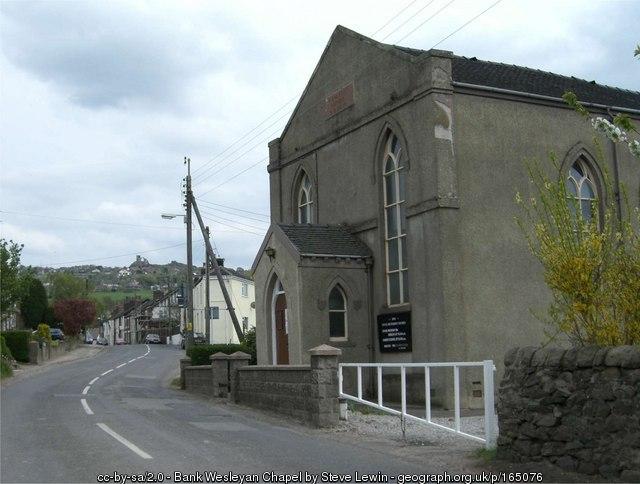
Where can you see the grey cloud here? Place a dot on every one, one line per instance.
(106, 55)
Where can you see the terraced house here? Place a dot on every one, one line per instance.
(392, 203)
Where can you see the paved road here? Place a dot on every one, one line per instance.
(76, 421)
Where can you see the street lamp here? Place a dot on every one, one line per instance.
(171, 216)
(189, 317)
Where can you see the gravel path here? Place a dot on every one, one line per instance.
(417, 433)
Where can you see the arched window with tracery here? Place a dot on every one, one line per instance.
(395, 233)
(582, 189)
(337, 314)
(305, 200)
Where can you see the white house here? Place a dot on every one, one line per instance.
(242, 292)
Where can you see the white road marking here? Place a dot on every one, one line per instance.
(120, 366)
(124, 441)
(94, 380)
(86, 406)
(131, 361)
(106, 372)
(86, 389)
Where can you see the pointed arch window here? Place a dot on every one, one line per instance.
(305, 200)
(581, 187)
(394, 172)
(337, 314)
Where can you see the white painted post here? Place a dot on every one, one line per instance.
(427, 393)
(379, 385)
(456, 393)
(359, 368)
(340, 380)
(403, 389)
(489, 424)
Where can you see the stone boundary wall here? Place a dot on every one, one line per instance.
(39, 354)
(197, 379)
(305, 392)
(577, 408)
(285, 389)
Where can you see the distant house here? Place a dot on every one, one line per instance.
(242, 292)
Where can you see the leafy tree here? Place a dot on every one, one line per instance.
(75, 314)
(33, 304)
(10, 277)
(67, 286)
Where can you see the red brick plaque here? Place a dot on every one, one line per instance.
(339, 100)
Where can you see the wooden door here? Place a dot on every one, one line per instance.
(282, 338)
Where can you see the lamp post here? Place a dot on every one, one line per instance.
(189, 319)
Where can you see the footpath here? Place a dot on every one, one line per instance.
(25, 370)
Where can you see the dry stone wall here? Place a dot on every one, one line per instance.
(577, 408)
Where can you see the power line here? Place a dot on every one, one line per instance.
(225, 157)
(466, 23)
(425, 21)
(213, 219)
(233, 208)
(407, 20)
(112, 256)
(228, 212)
(370, 63)
(102, 222)
(394, 17)
(279, 109)
(236, 175)
(257, 145)
(234, 221)
(247, 133)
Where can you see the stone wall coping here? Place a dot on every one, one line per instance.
(275, 367)
(325, 350)
(219, 356)
(198, 367)
(239, 355)
(584, 357)
(185, 359)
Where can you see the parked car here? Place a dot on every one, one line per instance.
(56, 334)
(88, 338)
(119, 341)
(152, 338)
(101, 340)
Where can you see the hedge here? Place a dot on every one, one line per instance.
(18, 343)
(5, 352)
(200, 354)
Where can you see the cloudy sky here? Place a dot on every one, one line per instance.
(100, 102)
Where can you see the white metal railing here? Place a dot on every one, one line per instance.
(490, 433)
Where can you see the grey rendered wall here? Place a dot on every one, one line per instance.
(501, 281)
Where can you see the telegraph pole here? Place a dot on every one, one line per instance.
(216, 268)
(189, 295)
(207, 308)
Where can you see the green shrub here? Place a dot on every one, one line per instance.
(18, 343)
(200, 354)
(5, 368)
(250, 342)
(5, 352)
(44, 332)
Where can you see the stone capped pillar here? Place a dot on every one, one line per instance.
(236, 360)
(220, 374)
(184, 362)
(324, 379)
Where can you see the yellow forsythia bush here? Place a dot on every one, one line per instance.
(592, 267)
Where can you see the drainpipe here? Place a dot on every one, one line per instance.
(616, 171)
(372, 333)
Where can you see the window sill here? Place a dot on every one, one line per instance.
(342, 343)
(396, 308)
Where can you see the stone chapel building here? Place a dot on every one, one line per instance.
(392, 202)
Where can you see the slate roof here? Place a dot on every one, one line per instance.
(325, 240)
(534, 81)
